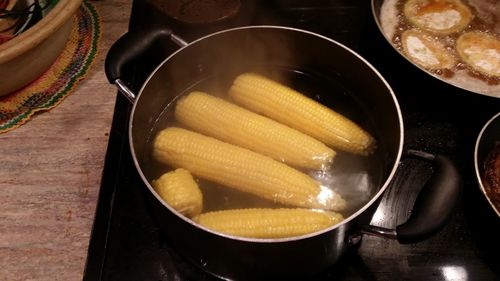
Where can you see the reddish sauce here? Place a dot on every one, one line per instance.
(4, 4)
(491, 179)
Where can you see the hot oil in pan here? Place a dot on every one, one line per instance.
(356, 178)
(466, 57)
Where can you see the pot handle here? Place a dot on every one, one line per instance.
(131, 46)
(433, 206)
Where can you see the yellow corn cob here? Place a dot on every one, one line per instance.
(179, 190)
(242, 169)
(218, 118)
(285, 105)
(268, 223)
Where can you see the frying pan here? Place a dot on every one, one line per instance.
(488, 137)
(389, 19)
(321, 68)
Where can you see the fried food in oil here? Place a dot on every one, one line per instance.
(481, 51)
(426, 51)
(438, 16)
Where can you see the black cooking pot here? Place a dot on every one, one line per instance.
(320, 67)
(390, 20)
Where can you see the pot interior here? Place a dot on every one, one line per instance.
(488, 138)
(315, 66)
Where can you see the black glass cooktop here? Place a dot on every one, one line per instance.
(126, 243)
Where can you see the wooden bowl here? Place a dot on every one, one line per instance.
(6, 23)
(25, 57)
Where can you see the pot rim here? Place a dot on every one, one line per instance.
(374, 198)
(479, 178)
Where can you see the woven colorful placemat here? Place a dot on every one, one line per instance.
(61, 78)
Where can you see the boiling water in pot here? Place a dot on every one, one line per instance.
(355, 178)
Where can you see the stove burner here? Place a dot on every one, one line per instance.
(199, 11)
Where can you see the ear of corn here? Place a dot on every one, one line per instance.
(242, 169)
(268, 223)
(179, 190)
(287, 106)
(230, 123)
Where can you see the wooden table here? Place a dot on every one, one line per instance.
(50, 172)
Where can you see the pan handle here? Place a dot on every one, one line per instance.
(130, 47)
(433, 206)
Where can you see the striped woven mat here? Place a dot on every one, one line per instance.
(61, 78)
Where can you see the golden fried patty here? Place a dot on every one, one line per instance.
(438, 16)
(426, 51)
(481, 51)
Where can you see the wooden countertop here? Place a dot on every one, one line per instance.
(50, 172)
